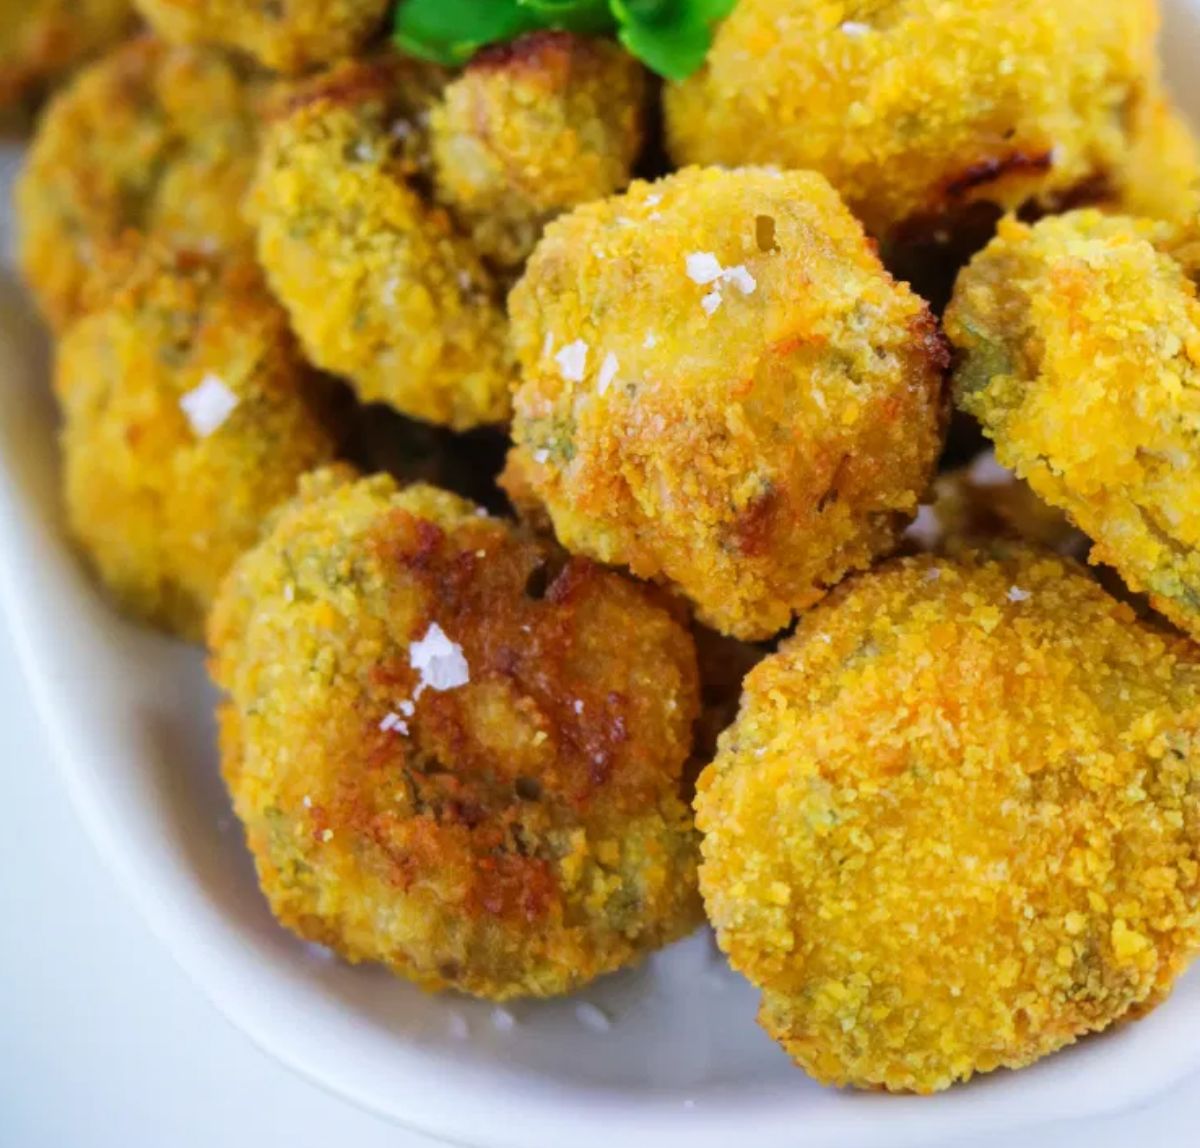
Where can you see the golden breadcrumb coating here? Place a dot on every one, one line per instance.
(1162, 177)
(451, 755)
(531, 129)
(380, 288)
(43, 41)
(957, 823)
(724, 390)
(149, 141)
(1079, 352)
(915, 109)
(969, 507)
(161, 500)
(289, 36)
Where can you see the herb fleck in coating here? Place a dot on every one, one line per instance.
(723, 389)
(161, 509)
(1079, 351)
(380, 288)
(957, 823)
(515, 834)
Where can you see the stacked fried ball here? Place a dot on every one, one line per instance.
(946, 777)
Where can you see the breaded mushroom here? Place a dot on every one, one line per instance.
(189, 415)
(956, 825)
(151, 141)
(450, 754)
(290, 36)
(723, 389)
(917, 109)
(969, 507)
(531, 129)
(380, 287)
(1079, 352)
(43, 41)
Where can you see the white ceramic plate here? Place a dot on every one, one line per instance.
(683, 1064)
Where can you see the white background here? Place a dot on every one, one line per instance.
(105, 1044)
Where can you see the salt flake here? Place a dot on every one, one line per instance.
(741, 279)
(703, 267)
(608, 372)
(208, 405)
(572, 361)
(439, 661)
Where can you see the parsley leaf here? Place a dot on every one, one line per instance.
(452, 31)
(671, 37)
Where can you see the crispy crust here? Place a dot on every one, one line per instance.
(380, 287)
(515, 835)
(150, 141)
(533, 128)
(160, 510)
(43, 41)
(750, 456)
(293, 37)
(916, 108)
(955, 825)
(1089, 321)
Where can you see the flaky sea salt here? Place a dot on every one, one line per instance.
(711, 302)
(703, 267)
(741, 279)
(572, 361)
(439, 661)
(1016, 594)
(608, 372)
(207, 405)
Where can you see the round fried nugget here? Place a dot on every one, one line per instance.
(532, 129)
(42, 41)
(917, 109)
(285, 35)
(956, 825)
(150, 141)
(970, 506)
(449, 755)
(723, 389)
(188, 416)
(1079, 343)
(380, 288)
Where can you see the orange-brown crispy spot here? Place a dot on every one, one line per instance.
(348, 85)
(755, 526)
(994, 168)
(534, 51)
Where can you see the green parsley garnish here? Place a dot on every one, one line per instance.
(671, 37)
